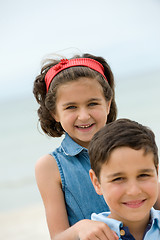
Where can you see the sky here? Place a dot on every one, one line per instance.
(124, 32)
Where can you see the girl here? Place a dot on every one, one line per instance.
(76, 98)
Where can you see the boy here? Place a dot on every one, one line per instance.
(124, 169)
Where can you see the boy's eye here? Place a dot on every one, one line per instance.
(143, 175)
(118, 179)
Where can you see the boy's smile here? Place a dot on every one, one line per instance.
(129, 184)
(135, 203)
(81, 109)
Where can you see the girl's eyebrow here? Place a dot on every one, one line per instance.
(68, 104)
(94, 99)
(73, 103)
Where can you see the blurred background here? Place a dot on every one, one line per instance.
(126, 33)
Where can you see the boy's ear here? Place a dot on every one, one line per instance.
(95, 182)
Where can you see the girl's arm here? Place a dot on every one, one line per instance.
(87, 230)
(49, 184)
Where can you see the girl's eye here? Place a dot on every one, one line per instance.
(93, 104)
(70, 107)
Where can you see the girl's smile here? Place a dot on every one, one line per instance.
(86, 127)
(82, 109)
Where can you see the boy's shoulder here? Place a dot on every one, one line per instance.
(116, 225)
(155, 215)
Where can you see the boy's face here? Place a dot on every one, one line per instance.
(129, 184)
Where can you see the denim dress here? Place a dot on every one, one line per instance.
(80, 197)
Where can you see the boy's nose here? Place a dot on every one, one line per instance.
(133, 188)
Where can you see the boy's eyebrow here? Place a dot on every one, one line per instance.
(115, 174)
(145, 170)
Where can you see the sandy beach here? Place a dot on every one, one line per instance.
(24, 224)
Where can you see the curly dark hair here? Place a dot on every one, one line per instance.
(47, 100)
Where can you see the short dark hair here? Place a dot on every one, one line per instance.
(122, 132)
(47, 101)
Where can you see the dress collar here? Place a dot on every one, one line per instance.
(70, 147)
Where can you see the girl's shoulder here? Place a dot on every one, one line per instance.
(46, 167)
(45, 161)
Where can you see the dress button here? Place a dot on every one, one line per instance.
(122, 232)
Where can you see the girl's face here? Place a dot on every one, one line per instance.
(82, 109)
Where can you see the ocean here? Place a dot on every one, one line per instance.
(22, 142)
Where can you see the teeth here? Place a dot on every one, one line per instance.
(85, 126)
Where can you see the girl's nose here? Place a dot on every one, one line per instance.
(83, 114)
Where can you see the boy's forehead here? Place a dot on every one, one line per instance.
(119, 157)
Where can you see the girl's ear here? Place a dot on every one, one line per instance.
(157, 169)
(95, 182)
(109, 106)
(55, 116)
